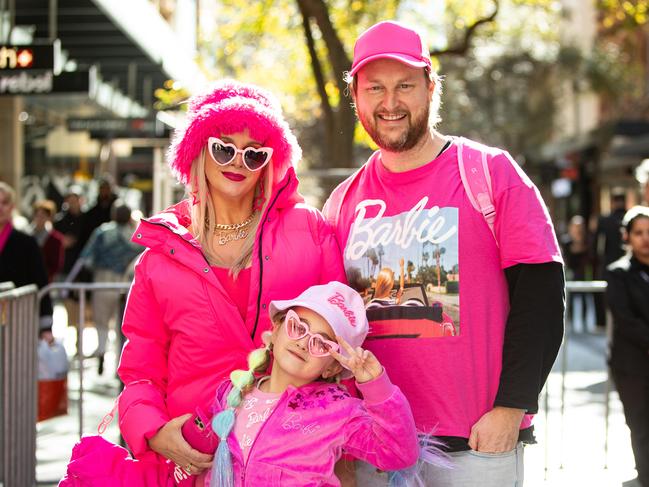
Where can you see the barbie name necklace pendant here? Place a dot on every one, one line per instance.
(224, 237)
(233, 231)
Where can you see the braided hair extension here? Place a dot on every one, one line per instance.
(222, 423)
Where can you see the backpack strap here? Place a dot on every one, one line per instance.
(474, 171)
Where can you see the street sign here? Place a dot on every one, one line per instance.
(35, 83)
(128, 128)
(31, 57)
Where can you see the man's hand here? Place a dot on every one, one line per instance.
(497, 430)
(169, 443)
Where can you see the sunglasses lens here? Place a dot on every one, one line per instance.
(295, 328)
(222, 154)
(255, 159)
(319, 347)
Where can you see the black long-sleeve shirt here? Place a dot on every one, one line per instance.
(533, 335)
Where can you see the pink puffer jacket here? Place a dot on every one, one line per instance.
(297, 446)
(185, 334)
(313, 425)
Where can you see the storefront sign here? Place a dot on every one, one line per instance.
(26, 83)
(34, 83)
(20, 58)
(119, 127)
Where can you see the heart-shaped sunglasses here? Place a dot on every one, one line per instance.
(296, 329)
(223, 153)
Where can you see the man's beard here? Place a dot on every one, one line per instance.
(417, 128)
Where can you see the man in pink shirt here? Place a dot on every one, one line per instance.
(474, 320)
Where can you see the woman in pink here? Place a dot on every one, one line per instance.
(212, 264)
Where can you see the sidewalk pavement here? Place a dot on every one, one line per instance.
(573, 447)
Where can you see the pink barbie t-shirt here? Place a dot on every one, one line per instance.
(250, 416)
(441, 338)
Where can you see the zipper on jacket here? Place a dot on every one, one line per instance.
(260, 257)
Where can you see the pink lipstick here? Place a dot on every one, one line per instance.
(232, 176)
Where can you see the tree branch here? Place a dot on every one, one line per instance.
(315, 63)
(463, 46)
(338, 58)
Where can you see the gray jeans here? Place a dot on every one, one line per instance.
(470, 469)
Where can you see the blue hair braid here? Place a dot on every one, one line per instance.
(223, 422)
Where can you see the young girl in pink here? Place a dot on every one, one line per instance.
(289, 427)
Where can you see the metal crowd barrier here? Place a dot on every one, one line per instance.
(18, 384)
(82, 289)
(575, 287)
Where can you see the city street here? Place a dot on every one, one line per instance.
(575, 445)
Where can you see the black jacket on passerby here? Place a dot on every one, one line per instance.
(628, 297)
(71, 226)
(608, 227)
(21, 262)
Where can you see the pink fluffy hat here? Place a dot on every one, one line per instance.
(229, 107)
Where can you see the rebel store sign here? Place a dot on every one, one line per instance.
(35, 83)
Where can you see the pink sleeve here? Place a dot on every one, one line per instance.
(143, 365)
(523, 226)
(382, 430)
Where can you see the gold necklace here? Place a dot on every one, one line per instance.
(235, 226)
(232, 231)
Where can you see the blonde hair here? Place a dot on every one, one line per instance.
(203, 215)
(384, 283)
(48, 206)
(9, 191)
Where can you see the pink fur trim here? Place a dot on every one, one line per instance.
(231, 107)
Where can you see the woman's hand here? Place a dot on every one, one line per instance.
(362, 363)
(169, 443)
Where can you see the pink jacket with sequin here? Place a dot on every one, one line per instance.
(312, 426)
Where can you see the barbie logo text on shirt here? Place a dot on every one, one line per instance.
(406, 267)
(420, 223)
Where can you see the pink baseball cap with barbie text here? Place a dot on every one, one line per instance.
(391, 40)
(338, 304)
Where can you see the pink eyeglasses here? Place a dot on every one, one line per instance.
(296, 329)
(223, 153)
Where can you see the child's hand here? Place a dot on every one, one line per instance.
(362, 363)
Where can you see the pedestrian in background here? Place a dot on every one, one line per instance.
(48, 238)
(628, 299)
(21, 261)
(69, 221)
(108, 253)
(608, 245)
(577, 252)
(100, 212)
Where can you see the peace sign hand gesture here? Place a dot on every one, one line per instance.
(362, 363)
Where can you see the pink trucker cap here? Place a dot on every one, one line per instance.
(391, 40)
(340, 305)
